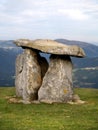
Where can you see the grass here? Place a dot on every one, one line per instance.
(49, 116)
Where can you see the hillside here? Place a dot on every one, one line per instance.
(9, 52)
(85, 77)
(91, 50)
(85, 62)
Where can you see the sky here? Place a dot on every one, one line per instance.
(49, 19)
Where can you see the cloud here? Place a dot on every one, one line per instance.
(74, 14)
(53, 18)
(34, 14)
(39, 9)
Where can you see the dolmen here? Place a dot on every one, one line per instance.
(38, 80)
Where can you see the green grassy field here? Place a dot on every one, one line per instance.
(49, 116)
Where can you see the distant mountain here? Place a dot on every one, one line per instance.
(86, 77)
(85, 62)
(9, 52)
(91, 50)
(7, 44)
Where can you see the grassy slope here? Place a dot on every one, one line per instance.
(49, 117)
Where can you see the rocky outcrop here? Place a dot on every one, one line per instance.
(35, 80)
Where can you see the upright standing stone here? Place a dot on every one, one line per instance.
(28, 75)
(57, 84)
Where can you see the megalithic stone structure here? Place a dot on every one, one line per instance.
(35, 80)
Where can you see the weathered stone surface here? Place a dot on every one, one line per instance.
(57, 83)
(50, 46)
(28, 75)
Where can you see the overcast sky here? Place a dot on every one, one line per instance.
(52, 19)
